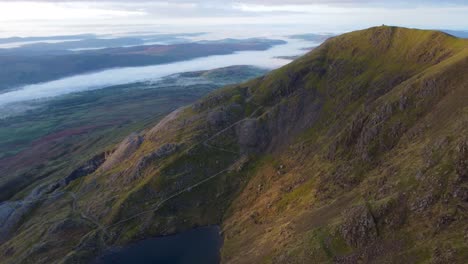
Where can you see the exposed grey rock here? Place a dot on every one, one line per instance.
(461, 164)
(11, 214)
(239, 164)
(89, 167)
(424, 202)
(392, 213)
(217, 118)
(125, 149)
(38, 192)
(430, 152)
(359, 227)
(162, 152)
(444, 221)
(443, 255)
(222, 117)
(461, 193)
(252, 136)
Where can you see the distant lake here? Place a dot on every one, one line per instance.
(97, 80)
(200, 245)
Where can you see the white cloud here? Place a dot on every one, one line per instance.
(28, 11)
(85, 16)
(317, 8)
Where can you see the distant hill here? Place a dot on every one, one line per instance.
(457, 33)
(312, 37)
(29, 39)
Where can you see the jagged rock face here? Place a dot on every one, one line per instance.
(12, 213)
(162, 152)
(359, 228)
(223, 116)
(123, 151)
(287, 120)
(89, 167)
(217, 119)
(253, 136)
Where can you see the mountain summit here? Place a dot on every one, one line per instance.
(356, 152)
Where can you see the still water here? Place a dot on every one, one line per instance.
(200, 245)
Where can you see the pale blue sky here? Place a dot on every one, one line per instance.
(43, 17)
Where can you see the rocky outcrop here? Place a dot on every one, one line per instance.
(162, 152)
(123, 151)
(252, 136)
(89, 167)
(359, 227)
(274, 128)
(461, 163)
(223, 116)
(12, 212)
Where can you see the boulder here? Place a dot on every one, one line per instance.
(359, 227)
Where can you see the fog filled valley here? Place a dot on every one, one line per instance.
(264, 59)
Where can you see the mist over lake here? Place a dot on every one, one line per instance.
(117, 76)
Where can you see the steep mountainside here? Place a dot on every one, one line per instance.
(356, 152)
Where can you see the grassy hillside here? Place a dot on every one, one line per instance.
(355, 153)
(51, 140)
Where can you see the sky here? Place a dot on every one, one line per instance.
(55, 17)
